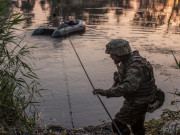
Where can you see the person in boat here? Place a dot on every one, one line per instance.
(135, 82)
(55, 21)
(68, 23)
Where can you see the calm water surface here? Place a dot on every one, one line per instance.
(151, 26)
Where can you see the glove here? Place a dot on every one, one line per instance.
(100, 92)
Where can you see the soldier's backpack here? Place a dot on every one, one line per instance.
(158, 102)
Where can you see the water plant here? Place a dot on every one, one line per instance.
(18, 82)
(177, 62)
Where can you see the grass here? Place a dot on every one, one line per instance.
(18, 81)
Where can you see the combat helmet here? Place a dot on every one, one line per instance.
(119, 47)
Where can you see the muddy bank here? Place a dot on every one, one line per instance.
(106, 129)
(102, 129)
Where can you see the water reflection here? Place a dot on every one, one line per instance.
(153, 13)
(26, 7)
(148, 13)
(42, 3)
(148, 18)
(174, 18)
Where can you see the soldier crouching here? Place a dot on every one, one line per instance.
(135, 82)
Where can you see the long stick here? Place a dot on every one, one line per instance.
(94, 88)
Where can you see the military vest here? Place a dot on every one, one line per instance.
(147, 85)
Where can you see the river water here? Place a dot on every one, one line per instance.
(150, 26)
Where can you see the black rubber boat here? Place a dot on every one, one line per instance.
(65, 28)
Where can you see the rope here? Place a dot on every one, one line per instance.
(94, 88)
(68, 93)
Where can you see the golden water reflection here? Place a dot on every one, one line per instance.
(147, 13)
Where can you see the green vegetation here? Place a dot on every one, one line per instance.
(18, 82)
(169, 121)
(177, 62)
(167, 124)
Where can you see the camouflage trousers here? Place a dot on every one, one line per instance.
(134, 109)
(131, 112)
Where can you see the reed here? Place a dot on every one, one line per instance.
(177, 62)
(18, 82)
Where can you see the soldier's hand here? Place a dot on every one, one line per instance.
(99, 91)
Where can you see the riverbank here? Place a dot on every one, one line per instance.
(153, 127)
(102, 129)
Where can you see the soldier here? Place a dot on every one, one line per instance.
(55, 21)
(135, 82)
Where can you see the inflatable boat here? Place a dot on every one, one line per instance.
(44, 30)
(65, 28)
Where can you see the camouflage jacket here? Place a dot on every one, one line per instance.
(136, 78)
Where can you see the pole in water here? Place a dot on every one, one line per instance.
(94, 88)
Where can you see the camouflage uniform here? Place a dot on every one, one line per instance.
(136, 84)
